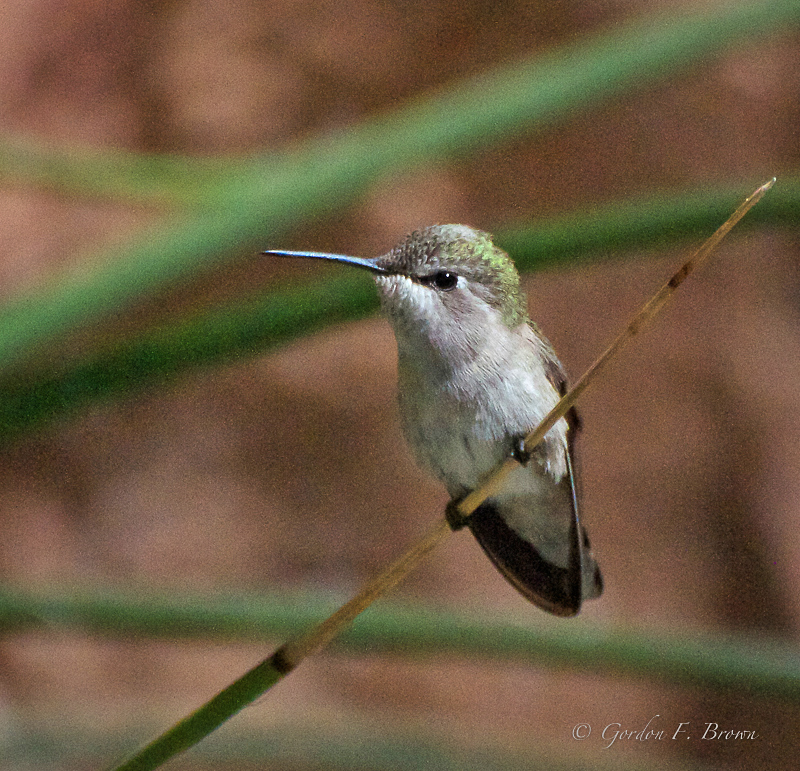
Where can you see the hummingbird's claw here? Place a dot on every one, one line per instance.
(454, 517)
(518, 451)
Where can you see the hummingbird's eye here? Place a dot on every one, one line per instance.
(443, 280)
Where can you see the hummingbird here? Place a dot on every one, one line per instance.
(475, 377)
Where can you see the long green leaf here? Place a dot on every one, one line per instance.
(358, 747)
(249, 328)
(757, 665)
(129, 177)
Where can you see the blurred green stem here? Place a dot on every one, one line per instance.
(763, 667)
(119, 175)
(219, 335)
(367, 745)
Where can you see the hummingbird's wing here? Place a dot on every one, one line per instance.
(556, 588)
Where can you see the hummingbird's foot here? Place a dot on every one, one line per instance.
(454, 517)
(518, 451)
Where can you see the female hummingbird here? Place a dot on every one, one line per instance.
(475, 377)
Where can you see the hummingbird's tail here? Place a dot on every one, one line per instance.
(556, 589)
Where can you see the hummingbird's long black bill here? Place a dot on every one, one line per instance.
(359, 262)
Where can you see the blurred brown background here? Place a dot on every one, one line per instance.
(288, 470)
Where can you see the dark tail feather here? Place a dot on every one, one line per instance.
(558, 590)
(549, 586)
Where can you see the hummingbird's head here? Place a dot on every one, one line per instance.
(447, 284)
(449, 274)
